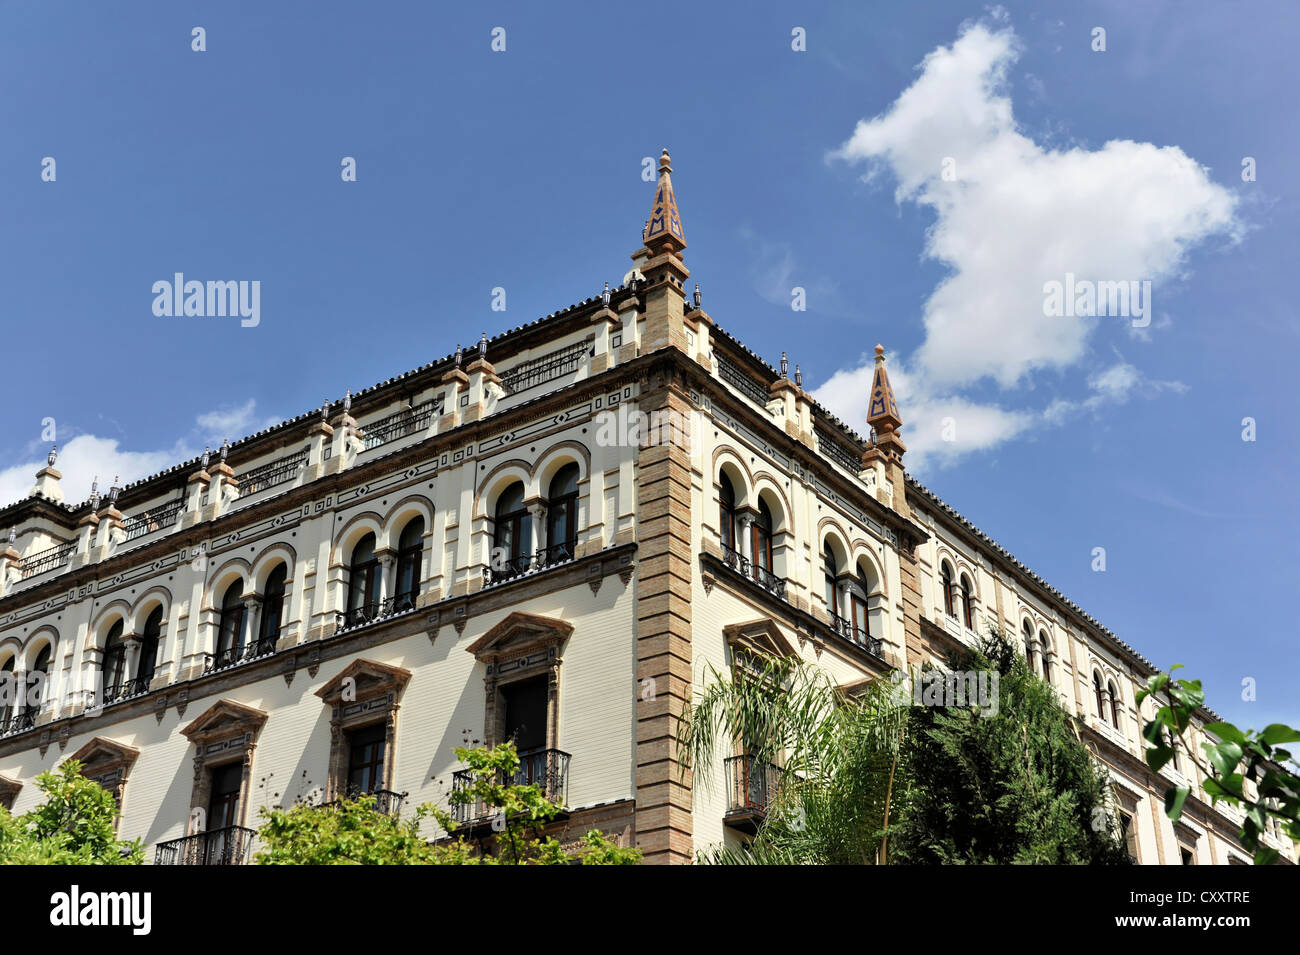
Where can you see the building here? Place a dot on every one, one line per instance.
(547, 539)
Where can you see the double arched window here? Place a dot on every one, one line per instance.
(1100, 695)
(149, 640)
(727, 513)
(832, 593)
(859, 606)
(38, 679)
(113, 665)
(1114, 703)
(967, 603)
(760, 539)
(1045, 648)
(410, 546)
(1028, 632)
(230, 627)
(949, 601)
(268, 629)
(562, 515)
(512, 534)
(364, 582)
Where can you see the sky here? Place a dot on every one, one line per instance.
(920, 173)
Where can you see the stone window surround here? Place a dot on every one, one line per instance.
(9, 789)
(376, 691)
(520, 647)
(108, 763)
(226, 733)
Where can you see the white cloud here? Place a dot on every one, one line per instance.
(1017, 216)
(85, 457)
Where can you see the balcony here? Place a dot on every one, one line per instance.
(751, 787)
(369, 613)
(848, 630)
(125, 690)
(547, 769)
(387, 802)
(19, 722)
(228, 846)
(236, 655)
(523, 564)
(46, 560)
(743, 565)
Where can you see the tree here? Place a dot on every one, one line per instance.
(1270, 767)
(838, 758)
(356, 832)
(73, 826)
(1007, 783)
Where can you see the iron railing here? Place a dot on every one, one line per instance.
(227, 846)
(240, 653)
(280, 471)
(150, 521)
(741, 564)
(735, 376)
(48, 559)
(521, 564)
(386, 801)
(19, 722)
(399, 425)
(125, 690)
(751, 785)
(548, 769)
(537, 371)
(851, 632)
(368, 613)
(838, 453)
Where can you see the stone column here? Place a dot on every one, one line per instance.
(387, 566)
(248, 627)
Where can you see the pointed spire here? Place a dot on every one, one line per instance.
(664, 230)
(882, 410)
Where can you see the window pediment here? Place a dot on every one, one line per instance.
(225, 719)
(106, 762)
(362, 679)
(761, 636)
(519, 633)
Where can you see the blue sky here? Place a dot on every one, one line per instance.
(522, 169)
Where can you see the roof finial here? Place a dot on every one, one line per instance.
(482, 347)
(203, 461)
(798, 376)
(52, 456)
(696, 298)
(882, 409)
(114, 491)
(785, 366)
(604, 296)
(225, 449)
(663, 232)
(459, 356)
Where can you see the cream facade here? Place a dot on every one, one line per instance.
(555, 538)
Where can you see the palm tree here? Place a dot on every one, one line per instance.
(838, 751)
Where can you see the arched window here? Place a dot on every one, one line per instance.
(148, 661)
(1097, 691)
(268, 630)
(8, 693)
(38, 682)
(859, 616)
(967, 603)
(1045, 648)
(945, 572)
(513, 533)
(1114, 703)
(113, 665)
(1028, 633)
(230, 630)
(562, 515)
(760, 538)
(727, 513)
(832, 595)
(363, 582)
(410, 547)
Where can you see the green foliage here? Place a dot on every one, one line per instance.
(872, 778)
(355, 832)
(1015, 786)
(1236, 757)
(837, 755)
(73, 826)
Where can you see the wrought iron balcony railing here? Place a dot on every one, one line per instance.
(48, 559)
(751, 787)
(547, 769)
(739, 379)
(399, 425)
(160, 518)
(228, 846)
(369, 613)
(125, 690)
(386, 801)
(521, 564)
(853, 633)
(237, 654)
(741, 564)
(277, 472)
(537, 371)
